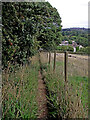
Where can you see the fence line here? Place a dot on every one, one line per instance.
(66, 65)
(66, 55)
(49, 57)
(54, 67)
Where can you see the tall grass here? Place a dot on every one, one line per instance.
(80, 84)
(66, 100)
(19, 93)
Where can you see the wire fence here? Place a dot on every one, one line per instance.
(68, 63)
(72, 72)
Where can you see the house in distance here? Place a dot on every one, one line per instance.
(74, 45)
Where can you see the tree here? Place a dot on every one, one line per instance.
(65, 48)
(26, 27)
(70, 42)
(85, 50)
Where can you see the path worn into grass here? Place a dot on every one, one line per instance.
(42, 100)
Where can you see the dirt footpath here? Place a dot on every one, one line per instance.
(42, 100)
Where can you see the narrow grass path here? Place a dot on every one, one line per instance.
(42, 100)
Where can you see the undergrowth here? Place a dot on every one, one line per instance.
(19, 91)
(65, 99)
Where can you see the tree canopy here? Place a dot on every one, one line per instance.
(27, 26)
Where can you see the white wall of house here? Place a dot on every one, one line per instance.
(74, 49)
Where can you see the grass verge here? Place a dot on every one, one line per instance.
(19, 93)
(66, 100)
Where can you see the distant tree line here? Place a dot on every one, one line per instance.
(79, 35)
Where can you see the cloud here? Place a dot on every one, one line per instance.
(72, 12)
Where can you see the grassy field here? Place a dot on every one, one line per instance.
(19, 92)
(67, 100)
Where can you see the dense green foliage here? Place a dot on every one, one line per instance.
(79, 35)
(26, 28)
(85, 50)
(65, 48)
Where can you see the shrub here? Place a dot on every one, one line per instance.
(65, 48)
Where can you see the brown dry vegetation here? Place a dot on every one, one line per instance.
(77, 64)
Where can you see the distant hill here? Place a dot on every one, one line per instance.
(79, 35)
(75, 29)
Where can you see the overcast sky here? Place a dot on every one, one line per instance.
(74, 13)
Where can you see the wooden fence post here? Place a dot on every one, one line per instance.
(54, 66)
(66, 64)
(65, 71)
(49, 57)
